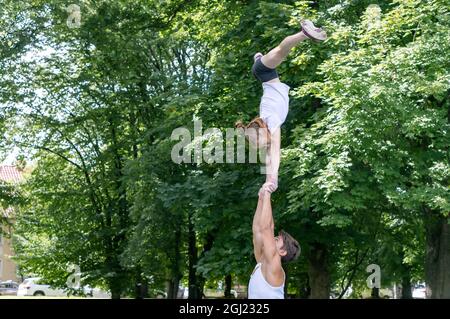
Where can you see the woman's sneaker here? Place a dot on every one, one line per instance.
(312, 32)
(257, 56)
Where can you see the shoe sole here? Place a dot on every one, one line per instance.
(310, 36)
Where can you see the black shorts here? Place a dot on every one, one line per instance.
(262, 72)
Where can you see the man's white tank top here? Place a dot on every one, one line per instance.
(259, 288)
(274, 106)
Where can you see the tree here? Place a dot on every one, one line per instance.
(364, 176)
(385, 133)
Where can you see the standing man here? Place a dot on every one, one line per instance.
(267, 280)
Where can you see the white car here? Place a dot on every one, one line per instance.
(8, 288)
(419, 291)
(98, 293)
(33, 287)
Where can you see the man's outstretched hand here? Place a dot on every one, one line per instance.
(267, 188)
(271, 184)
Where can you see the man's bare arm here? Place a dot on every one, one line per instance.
(261, 225)
(263, 219)
(266, 228)
(263, 231)
(257, 240)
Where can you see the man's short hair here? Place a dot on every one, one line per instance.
(291, 246)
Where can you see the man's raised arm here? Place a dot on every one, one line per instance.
(263, 226)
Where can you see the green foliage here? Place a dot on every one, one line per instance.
(365, 146)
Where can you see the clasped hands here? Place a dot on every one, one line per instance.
(269, 186)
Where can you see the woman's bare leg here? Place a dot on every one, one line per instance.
(278, 54)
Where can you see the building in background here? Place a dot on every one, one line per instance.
(8, 268)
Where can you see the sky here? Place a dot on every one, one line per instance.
(11, 157)
(30, 56)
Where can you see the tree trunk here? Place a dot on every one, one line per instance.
(174, 281)
(173, 287)
(375, 294)
(319, 277)
(437, 264)
(115, 282)
(140, 287)
(141, 290)
(304, 288)
(194, 289)
(115, 295)
(206, 247)
(406, 284)
(228, 283)
(115, 289)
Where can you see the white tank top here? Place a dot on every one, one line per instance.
(259, 288)
(274, 106)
